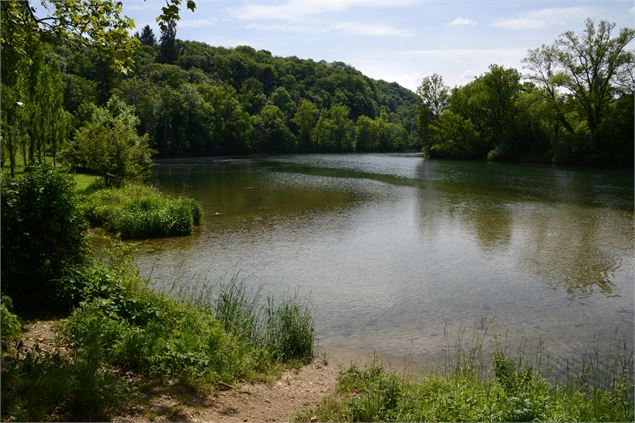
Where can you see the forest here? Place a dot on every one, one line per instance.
(175, 98)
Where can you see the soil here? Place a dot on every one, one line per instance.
(277, 401)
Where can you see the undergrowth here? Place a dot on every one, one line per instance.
(139, 211)
(501, 387)
(123, 327)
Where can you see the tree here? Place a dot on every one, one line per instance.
(168, 50)
(305, 120)
(593, 68)
(147, 37)
(455, 137)
(110, 146)
(434, 94)
(433, 99)
(365, 135)
(334, 131)
(43, 237)
(271, 134)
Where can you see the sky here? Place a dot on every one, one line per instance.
(393, 40)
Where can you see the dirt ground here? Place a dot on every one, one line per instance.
(278, 401)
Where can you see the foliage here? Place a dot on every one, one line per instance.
(289, 333)
(10, 327)
(516, 393)
(43, 237)
(574, 110)
(285, 330)
(45, 384)
(108, 144)
(137, 211)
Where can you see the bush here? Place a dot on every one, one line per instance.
(136, 211)
(515, 394)
(108, 144)
(43, 238)
(45, 385)
(10, 327)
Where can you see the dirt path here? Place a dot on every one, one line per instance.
(249, 402)
(279, 401)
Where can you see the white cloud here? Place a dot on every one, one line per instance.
(340, 28)
(295, 10)
(545, 18)
(371, 30)
(196, 23)
(465, 53)
(632, 10)
(461, 21)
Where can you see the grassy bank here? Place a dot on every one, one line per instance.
(119, 334)
(139, 211)
(504, 389)
(123, 328)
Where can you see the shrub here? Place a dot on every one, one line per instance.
(136, 211)
(45, 384)
(10, 327)
(43, 238)
(108, 144)
(515, 394)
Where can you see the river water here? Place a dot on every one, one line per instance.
(395, 249)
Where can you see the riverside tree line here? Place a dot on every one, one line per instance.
(109, 110)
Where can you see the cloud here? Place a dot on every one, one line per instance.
(295, 10)
(340, 28)
(196, 23)
(465, 54)
(632, 10)
(461, 21)
(371, 30)
(545, 18)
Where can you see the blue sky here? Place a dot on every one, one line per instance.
(394, 40)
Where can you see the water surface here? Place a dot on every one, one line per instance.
(395, 248)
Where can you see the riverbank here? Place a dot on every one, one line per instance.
(278, 398)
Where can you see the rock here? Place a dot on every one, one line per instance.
(314, 419)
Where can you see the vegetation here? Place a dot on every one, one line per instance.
(506, 389)
(576, 106)
(117, 324)
(108, 145)
(43, 238)
(139, 211)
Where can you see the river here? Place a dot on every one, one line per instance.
(395, 249)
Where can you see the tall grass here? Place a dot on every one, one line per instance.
(139, 211)
(282, 326)
(475, 384)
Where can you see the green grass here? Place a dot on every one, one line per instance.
(123, 327)
(139, 211)
(503, 390)
(84, 180)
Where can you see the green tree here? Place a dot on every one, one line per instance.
(433, 99)
(43, 238)
(147, 38)
(365, 135)
(271, 134)
(455, 137)
(334, 131)
(305, 119)
(282, 99)
(110, 146)
(589, 71)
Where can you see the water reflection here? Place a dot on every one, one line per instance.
(575, 248)
(393, 248)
